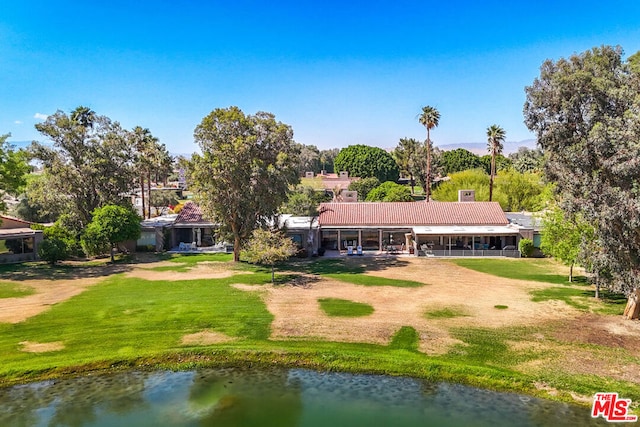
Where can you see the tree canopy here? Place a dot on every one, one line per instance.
(585, 111)
(90, 163)
(113, 224)
(247, 166)
(365, 161)
(458, 160)
(14, 167)
(390, 192)
(363, 186)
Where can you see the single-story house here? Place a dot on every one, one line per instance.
(169, 231)
(18, 242)
(463, 228)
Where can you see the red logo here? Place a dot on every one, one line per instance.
(612, 408)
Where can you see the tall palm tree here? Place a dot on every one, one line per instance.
(429, 118)
(495, 139)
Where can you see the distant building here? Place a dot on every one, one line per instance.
(18, 242)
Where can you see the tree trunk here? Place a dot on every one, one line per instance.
(412, 183)
(493, 172)
(113, 260)
(149, 185)
(571, 273)
(428, 189)
(597, 288)
(142, 193)
(236, 248)
(632, 310)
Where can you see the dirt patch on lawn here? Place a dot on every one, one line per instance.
(41, 347)
(47, 293)
(206, 337)
(298, 314)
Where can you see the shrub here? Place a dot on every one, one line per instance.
(526, 247)
(53, 250)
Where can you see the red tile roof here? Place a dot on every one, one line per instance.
(410, 214)
(190, 213)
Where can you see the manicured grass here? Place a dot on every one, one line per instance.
(501, 307)
(566, 294)
(446, 313)
(344, 308)
(193, 259)
(537, 270)
(13, 290)
(406, 338)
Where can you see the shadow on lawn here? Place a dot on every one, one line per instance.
(343, 265)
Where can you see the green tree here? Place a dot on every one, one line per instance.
(527, 160)
(526, 248)
(565, 237)
(471, 179)
(113, 224)
(269, 248)
(327, 157)
(247, 166)
(406, 155)
(430, 118)
(517, 191)
(161, 199)
(304, 201)
(14, 167)
(363, 186)
(53, 250)
(390, 192)
(90, 163)
(459, 160)
(584, 111)
(309, 159)
(364, 161)
(495, 140)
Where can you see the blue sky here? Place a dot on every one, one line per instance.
(339, 73)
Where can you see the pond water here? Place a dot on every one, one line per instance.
(278, 397)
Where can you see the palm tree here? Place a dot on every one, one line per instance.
(495, 139)
(429, 119)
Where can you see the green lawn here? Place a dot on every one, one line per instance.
(125, 323)
(12, 290)
(344, 308)
(446, 313)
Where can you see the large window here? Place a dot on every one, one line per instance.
(348, 238)
(370, 240)
(330, 240)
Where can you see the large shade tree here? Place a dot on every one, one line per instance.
(585, 111)
(429, 118)
(247, 166)
(495, 143)
(364, 161)
(90, 162)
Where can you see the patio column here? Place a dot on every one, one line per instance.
(339, 242)
(359, 238)
(449, 245)
(380, 240)
(473, 245)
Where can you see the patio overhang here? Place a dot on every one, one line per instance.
(465, 230)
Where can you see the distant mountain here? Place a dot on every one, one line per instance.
(480, 148)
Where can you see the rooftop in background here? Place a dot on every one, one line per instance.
(411, 213)
(524, 219)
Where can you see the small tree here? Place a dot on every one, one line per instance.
(113, 224)
(53, 250)
(526, 248)
(269, 248)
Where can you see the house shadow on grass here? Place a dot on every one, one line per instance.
(65, 271)
(355, 265)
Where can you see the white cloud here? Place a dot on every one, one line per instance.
(17, 122)
(40, 116)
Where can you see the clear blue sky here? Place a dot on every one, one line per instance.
(338, 72)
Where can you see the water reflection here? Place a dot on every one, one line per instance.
(278, 397)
